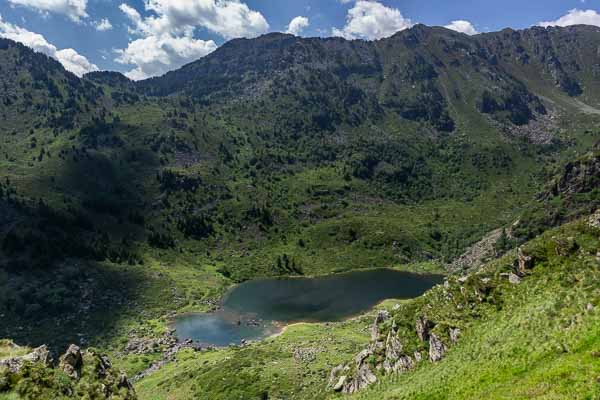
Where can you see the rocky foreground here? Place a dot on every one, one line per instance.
(32, 374)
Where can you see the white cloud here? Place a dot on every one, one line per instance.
(74, 62)
(462, 26)
(575, 17)
(372, 20)
(297, 25)
(69, 58)
(156, 55)
(103, 25)
(167, 35)
(227, 18)
(74, 9)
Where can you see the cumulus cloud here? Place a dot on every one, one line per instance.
(227, 18)
(463, 27)
(103, 25)
(74, 9)
(297, 25)
(166, 37)
(69, 58)
(156, 55)
(372, 20)
(575, 17)
(74, 62)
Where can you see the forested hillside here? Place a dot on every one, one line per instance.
(123, 201)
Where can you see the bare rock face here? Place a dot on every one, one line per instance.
(437, 349)
(72, 361)
(38, 355)
(423, 328)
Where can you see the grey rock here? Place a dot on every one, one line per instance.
(364, 377)
(454, 334)
(340, 384)
(418, 357)
(514, 278)
(333, 376)
(38, 355)
(423, 327)
(437, 349)
(72, 361)
(306, 355)
(524, 262)
(382, 316)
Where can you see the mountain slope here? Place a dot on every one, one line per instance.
(333, 154)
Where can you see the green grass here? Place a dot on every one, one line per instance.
(532, 340)
(268, 367)
(543, 343)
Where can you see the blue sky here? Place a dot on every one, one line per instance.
(144, 38)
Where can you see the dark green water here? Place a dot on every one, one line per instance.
(253, 309)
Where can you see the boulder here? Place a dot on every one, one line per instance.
(514, 278)
(72, 361)
(437, 349)
(524, 262)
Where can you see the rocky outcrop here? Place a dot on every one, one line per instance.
(364, 376)
(382, 316)
(90, 375)
(423, 326)
(72, 361)
(388, 356)
(341, 378)
(524, 262)
(437, 349)
(38, 355)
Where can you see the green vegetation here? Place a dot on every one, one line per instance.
(124, 202)
(537, 339)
